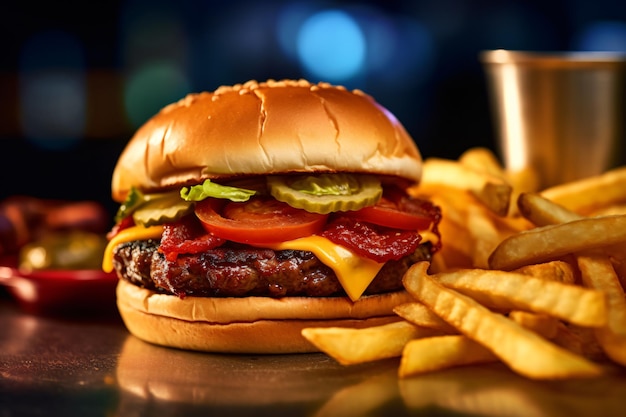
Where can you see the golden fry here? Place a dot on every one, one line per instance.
(492, 191)
(350, 346)
(441, 352)
(458, 252)
(502, 290)
(542, 324)
(609, 210)
(568, 340)
(589, 194)
(552, 242)
(597, 272)
(485, 236)
(476, 229)
(554, 270)
(582, 337)
(421, 316)
(543, 212)
(481, 159)
(522, 350)
(525, 180)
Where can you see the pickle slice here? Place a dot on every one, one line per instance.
(326, 193)
(165, 208)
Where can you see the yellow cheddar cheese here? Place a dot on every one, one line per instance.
(128, 235)
(353, 272)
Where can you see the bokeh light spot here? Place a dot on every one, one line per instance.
(52, 90)
(331, 46)
(151, 88)
(602, 36)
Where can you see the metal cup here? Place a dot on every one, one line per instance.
(559, 113)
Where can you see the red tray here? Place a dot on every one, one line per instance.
(59, 291)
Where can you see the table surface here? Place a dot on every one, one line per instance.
(90, 365)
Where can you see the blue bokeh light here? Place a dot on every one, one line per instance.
(602, 36)
(331, 46)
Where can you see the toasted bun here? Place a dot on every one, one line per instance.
(265, 128)
(248, 324)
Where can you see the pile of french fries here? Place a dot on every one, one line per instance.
(531, 278)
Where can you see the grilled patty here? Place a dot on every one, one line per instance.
(238, 271)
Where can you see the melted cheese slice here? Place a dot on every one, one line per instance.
(354, 272)
(128, 235)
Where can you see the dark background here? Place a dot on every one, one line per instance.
(77, 78)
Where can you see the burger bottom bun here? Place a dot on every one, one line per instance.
(247, 324)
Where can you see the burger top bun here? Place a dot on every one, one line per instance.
(265, 128)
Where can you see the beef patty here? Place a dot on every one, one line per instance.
(238, 271)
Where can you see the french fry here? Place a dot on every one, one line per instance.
(525, 180)
(568, 340)
(543, 212)
(440, 262)
(490, 190)
(585, 339)
(477, 230)
(507, 291)
(421, 316)
(609, 210)
(350, 346)
(597, 272)
(441, 352)
(554, 241)
(481, 159)
(543, 324)
(458, 252)
(537, 285)
(510, 342)
(485, 236)
(619, 264)
(589, 194)
(555, 270)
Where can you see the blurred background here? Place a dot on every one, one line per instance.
(77, 78)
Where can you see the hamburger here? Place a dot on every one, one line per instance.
(256, 210)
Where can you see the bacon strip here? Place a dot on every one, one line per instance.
(186, 236)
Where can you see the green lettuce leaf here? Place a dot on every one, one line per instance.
(210, 189)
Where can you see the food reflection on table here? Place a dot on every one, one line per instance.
(318, 386)
(303, 382)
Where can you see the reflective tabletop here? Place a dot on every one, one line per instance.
(90, 365)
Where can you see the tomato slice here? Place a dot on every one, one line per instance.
(259, 220)
(399, 213)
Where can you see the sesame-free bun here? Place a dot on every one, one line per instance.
(246, 324)
(265, 128)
